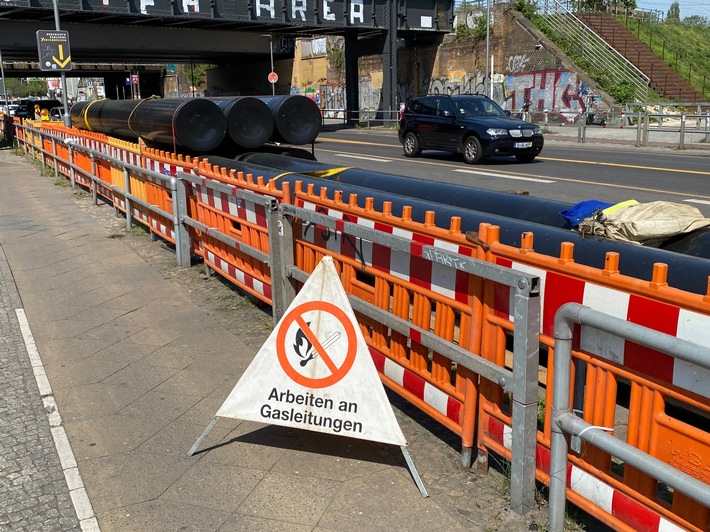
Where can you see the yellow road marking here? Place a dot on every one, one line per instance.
(624, 165)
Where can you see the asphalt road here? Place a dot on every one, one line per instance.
(564, 172)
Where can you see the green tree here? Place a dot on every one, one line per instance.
(696, 21)
(16, 88)
(197, 74)
(673, 14)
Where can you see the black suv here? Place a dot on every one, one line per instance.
(472, 125)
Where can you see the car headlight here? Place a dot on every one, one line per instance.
(496, 131)
(536, 131)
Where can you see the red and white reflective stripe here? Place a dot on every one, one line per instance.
(238, 276)
(153, 223)
(557, 289)
(623, 507)
(230, 204)
(435, 271)
(413, 383)
(160, 228)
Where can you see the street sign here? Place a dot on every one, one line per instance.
(273, 77)
(53, 49)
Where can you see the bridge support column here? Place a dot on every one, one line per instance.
(352, 79)
(388, 103)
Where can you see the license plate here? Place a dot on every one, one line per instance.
(523, 145)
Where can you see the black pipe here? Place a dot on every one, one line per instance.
(536, 210)
(106, 116)
(250, 122)
(297, 119)
(197, 125)
(684, 272)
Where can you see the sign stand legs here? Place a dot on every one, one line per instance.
(407, 457)
(413, 471)
(202, 437)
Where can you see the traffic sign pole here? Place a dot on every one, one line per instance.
(67, 118)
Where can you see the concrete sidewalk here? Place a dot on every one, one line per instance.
(139, 356)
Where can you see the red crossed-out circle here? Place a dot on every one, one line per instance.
(336, 372)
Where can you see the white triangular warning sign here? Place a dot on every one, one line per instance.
(314, 372)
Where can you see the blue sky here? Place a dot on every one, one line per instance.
(687, 7)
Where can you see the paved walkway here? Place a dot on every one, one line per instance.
(137, 367)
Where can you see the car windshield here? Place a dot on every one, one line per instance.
(478, 107)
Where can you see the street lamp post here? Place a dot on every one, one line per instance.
(271, 56)
(487, 81)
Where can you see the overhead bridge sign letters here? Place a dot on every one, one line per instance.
(53, 49)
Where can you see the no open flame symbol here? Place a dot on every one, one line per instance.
(304, 348)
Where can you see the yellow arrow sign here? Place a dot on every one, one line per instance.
(61, 61)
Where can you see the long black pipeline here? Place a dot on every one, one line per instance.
(684, 272)
(250, 122)
(297, 119)
(537, 210)
(105, 116)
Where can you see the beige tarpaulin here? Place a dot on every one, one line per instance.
(645, 223)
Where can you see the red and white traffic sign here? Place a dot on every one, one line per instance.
(315, 372)
(273, 77)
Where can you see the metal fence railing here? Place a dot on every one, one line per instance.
(586, 44)
(565, 421)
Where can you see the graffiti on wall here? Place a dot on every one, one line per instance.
(559, 92)
(518, 63)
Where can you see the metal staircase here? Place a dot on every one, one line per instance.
(601, 57)
(663, 79)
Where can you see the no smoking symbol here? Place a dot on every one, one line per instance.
(308, 349)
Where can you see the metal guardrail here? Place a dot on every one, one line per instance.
(566, 422)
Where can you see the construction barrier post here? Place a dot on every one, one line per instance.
(127, 190)
(183, 246)
(72, 173)
(623, 119)
(54, 156)
(526, 350)
(94, 186)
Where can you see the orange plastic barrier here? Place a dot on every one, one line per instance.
(434, 297)
(243, 221)
(644, 396)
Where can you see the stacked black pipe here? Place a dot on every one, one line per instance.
(297, 119)
(201, 125)
(684, 272)
(249, 121)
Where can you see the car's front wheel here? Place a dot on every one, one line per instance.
(411, 145)
(472, 152)
(525, 157)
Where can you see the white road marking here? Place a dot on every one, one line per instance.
(79, 497)
(504, 176)
(704, 202)
(374, 159)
